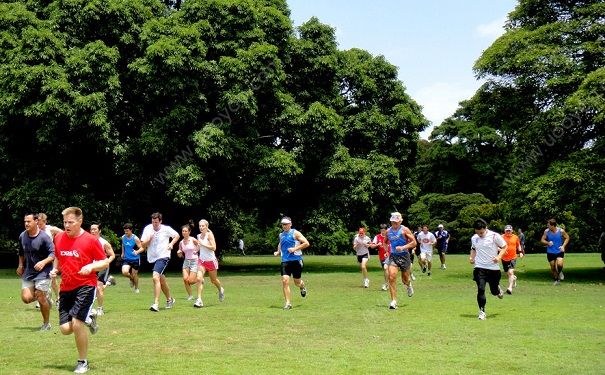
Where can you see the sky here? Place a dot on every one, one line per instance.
(434, 43)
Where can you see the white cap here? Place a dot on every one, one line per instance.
(396, 217)
(440, 226)
(286, 220)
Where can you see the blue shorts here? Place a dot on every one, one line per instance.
(160, 265)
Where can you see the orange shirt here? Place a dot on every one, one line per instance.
(512, 244)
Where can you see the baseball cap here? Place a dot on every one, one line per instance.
(508, 227)
(286, 220)
(440, 226)
(396, 217)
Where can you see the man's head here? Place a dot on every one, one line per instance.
(508, 230)
(156, 220)
(42, 220)
(552, 224)
(128, 229)
(383, 228)
(425, 229)
(480, 227)
(95, 229)
(31, 223)
(440, 226)
(286, 223)
(72, 221)
(361, 232)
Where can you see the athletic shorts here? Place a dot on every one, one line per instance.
(427, 256)
(209, 265)
(102, 276)
(190, 264)
(42, 285)
(360, 258)
(491, 277)
(292, 268)
(383, 262)
(160, 265)
(509, 264)
(135, 264)
(553, 256)
(76, 303)
(442, 250)
(402, 260)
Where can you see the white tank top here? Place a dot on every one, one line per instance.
(206, 255)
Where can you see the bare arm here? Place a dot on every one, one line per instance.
(543, 240)
(303, 242)
(565, 240)
(109, 251)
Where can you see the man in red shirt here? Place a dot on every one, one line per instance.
(78, 256)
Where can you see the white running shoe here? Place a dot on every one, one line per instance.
(413, 277)
(500, 294)
(100, 311)
(137, 291)
(482, 315)
(410, 290)
(221, 294)
(198, 303)
(557, 282)
(366, 283)
(385, 287)
(154, 307)
(190, 298)
(393, 305)
(561, 276)
(514, 281)
(170, 303)
(81, 367)
(288, 306)
(45, 327)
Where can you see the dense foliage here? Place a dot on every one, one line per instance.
(206, 108)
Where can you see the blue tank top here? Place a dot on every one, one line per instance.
(396, 238)
(128, 244)
(286, 241)
(557, 241)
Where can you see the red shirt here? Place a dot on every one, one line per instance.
(73, 253)
(383, 248)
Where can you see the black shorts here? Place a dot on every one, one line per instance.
(292, 268)
(134, 264)
(553, 256)
(102, 276)
(360, 257)
(442, 250)
(76, 303)
(403, 261)
(509, 264)
(491, 277)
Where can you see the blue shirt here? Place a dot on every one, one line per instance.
(286, 241)
(557, 241)
(442, 236)
(397, 238)
(129, 244)
(35, 249)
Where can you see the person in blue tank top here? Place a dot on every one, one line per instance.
(555, 239)
(131, 258)
(402, 241)
(291, 244)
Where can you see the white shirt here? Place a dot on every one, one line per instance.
(103, 241)
(158, 247)
(487, 248)
(361, 244)
(426, 242)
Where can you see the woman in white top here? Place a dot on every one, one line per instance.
(188, 248)
(207, 262)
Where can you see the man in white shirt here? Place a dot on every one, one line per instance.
(427, 240)
(487, 250)
(158, 240)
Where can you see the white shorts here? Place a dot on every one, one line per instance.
(426, 256)
(41, 285)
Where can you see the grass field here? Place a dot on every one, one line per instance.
(339, 328)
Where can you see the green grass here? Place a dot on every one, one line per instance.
(340, 328)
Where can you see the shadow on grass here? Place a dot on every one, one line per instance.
(582, 275)
(69, 367)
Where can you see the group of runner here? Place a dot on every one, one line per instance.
(82, 259)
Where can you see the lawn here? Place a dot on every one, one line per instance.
(339, 328)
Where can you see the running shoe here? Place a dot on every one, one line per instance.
(500, 294)
(45, 327)
(198, 303)
(482, 315)
(154, 307)
(303, 291)
(561, 276)
(81, 367)
(410, 290)
(221, 295)
(92, 325)
(170, 303)
(393, 305)
(288, 306)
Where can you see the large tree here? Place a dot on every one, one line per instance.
(214, 108)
